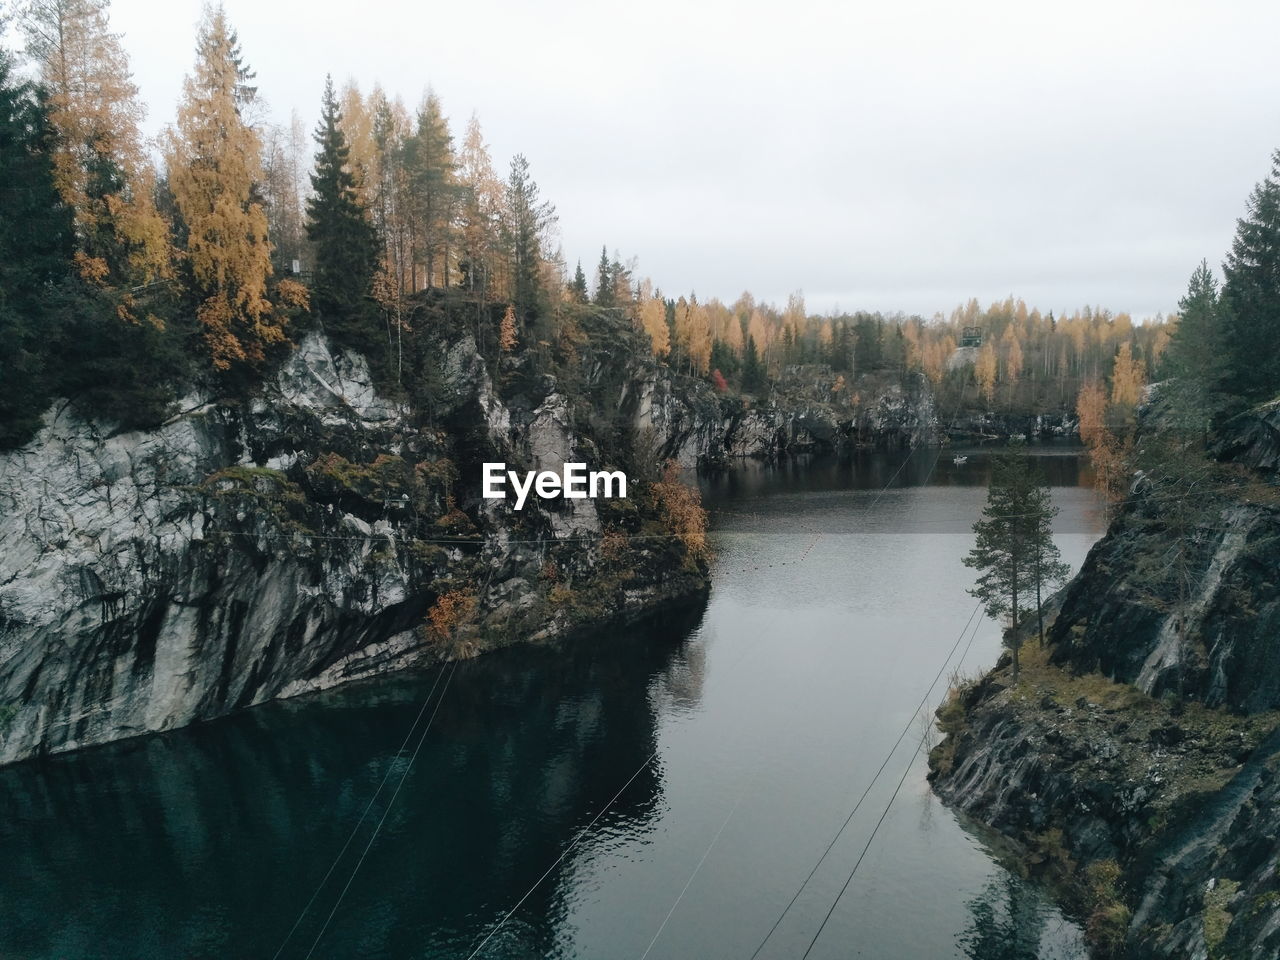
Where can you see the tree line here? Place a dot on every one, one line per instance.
(132, 269)
(1219, 358)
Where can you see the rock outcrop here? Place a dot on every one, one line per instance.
(315, 534)
(1139, 758)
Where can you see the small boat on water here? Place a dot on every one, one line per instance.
(959, 461)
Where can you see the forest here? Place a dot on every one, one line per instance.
(131, 270)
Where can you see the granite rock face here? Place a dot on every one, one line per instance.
(1148, 738)
(1115, 620)
(237, 553)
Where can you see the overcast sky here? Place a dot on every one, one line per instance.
(889, 155)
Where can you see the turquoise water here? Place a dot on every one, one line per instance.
(735, 737)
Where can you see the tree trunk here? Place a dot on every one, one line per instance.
(1039, 603)
(1014, 640)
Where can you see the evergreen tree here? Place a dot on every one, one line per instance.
(36, 244)
(346, 249)
(1194, 362)
(1251, 295)
(481, 203)
(578, 288)
(434, 195)
(526, 220)
(1047, 568)
(1013, 550)
(604, 280)
(620, 276)
(752, 369)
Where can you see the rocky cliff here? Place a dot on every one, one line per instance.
(1139, 757)
(320, 531)
(314, 534)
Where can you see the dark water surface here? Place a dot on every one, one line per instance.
(766, 712)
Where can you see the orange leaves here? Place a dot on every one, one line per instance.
(291, 293)
(214, 161)
(507, 330)
(682, 511)
(985, 370)
(1127, 380)
(653, 320)
(450, 614)
(1110, 446)
(93, 269)
(1091, 408)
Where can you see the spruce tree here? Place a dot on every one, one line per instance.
(578, 288)
(525, 222)
(604, 280)
(1195, 363)
(1251, 295)
(434, 193)
(36, 245)
(346, 247)
(752, 369)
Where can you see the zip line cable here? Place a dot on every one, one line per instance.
(359, 823)
(706, 853)
(876, 828)
(385, 813)
(804, 555)
(581, 834)
(369, 806)
(883, 815)
(874, 778)
(866, 847)
(649, 759)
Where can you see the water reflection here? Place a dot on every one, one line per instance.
(1007, 922)
(209, 841)
(834, 602)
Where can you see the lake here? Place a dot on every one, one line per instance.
(654, 792)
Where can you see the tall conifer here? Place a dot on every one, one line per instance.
(346, 248)
(1251, 294)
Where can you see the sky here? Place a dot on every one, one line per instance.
(900, 155)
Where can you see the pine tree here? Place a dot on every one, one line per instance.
(752, 370)
(507, 338)
(481, 207)
(1047, 568)
(36, 244)
(1013, 550)
(433, 190)
(526, 221)
(345, 246)
(214, 162)
(604, 280)
(1195, 362)
(578, 287)
(1251, 295)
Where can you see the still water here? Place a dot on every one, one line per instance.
(763, 714)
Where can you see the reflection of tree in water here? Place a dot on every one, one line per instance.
(1006, 922)
(208, 841)
(680, 682)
